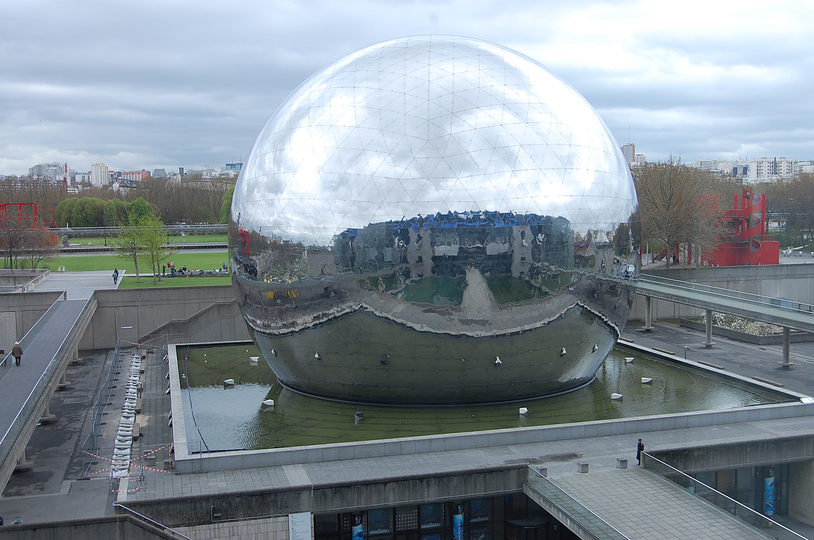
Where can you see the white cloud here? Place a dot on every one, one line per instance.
(168, 84)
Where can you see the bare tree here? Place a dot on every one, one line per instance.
(792, 203)
(681, 205)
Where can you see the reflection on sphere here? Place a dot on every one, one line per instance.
(434, 220)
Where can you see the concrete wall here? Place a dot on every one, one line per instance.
(792, 281)
(19, 312)
(121, 527)
(222, 461)
(14, 280)
(197, 510)
(130, 314)
(731, 456)
(801, 492)
(274, 528)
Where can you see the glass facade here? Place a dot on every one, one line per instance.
(434, 220)
(507, 517)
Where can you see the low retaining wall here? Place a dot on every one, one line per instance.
(795, 337)
(187, 462)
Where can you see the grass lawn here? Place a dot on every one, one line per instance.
(86, 263)
(147, 282)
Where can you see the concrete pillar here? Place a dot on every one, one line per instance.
(23, 464)
(708, 342)
(786, 347)
(63, 382)
(47, 417)
(801, 492)
(648, 314)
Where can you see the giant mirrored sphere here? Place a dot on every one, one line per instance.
(434, 220)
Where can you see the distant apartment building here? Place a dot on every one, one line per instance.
(806, 167)
(99, 174)
(629, 151)
(771, 169)
(631, 157)
(82, 178)
(208, 173)
(134, 176)
(159, 173)
(51, 171)
(740, 168)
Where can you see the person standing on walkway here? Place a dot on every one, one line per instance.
(17, 352)
(639, 450)
(115, 276)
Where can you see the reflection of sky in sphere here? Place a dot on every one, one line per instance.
(430, 124)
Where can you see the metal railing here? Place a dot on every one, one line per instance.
(21, 418)
(720, 292)
(726, 503)
(90, 446)
(5, 365)
(164, 528)
(575, 510)
(211, 228)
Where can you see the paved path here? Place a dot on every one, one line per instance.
(643, 506)
(79, 285)
(735, 356)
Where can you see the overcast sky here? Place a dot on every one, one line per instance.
(162, 84)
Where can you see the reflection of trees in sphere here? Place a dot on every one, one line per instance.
(423, 207)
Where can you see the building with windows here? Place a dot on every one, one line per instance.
(52, 171)
(99, 174)
(771, 169)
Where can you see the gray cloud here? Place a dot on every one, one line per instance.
(168, 84)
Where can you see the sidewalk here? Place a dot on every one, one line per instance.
(737, 357)
(79, 285)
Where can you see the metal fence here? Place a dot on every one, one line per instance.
(730, 505)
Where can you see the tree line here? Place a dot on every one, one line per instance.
(190, 200)
(791, 203)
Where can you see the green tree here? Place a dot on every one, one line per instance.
(226, 206)
(155, 239)
(130, 244)
(62, 215)
(140, 209)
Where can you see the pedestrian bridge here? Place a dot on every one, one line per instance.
(789, 314)
(779, 311)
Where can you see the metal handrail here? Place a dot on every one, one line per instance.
(91, 443)
(738, 504)
(211, 228)
(609, 531)
(785, 304)
(152, 522)
(18, 423)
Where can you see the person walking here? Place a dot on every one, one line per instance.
(17, 352)
(639, 450)
(115, 276)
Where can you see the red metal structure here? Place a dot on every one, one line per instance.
(18, 211)
(748, 242)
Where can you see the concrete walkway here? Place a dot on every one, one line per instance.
(80, 285)
(641, 505)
